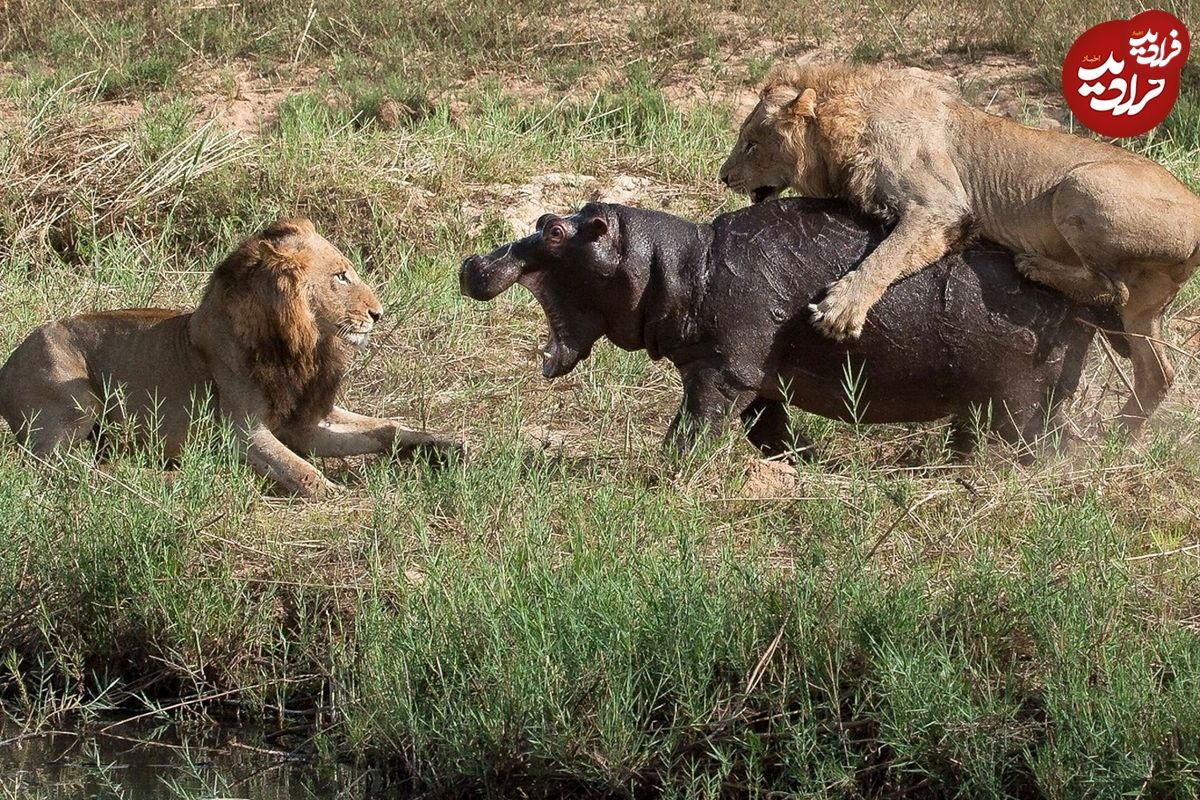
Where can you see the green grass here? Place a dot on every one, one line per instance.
(571, 611)
(482, 627)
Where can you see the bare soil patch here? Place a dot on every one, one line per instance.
(767, 479)
(243, 100)
(520, 205)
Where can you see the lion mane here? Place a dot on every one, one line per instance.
(259, 289)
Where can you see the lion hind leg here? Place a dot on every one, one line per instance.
(1153, 372)
(45, 395)
(1151, 289)
(67, 415)
(1077, 281)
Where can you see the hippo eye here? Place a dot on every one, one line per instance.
(342, 277)
(750, 147)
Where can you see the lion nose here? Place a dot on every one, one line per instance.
(376, 314)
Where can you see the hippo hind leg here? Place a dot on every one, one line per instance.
(767, 428)
(964, 435)
(1039, 424)
(1019, 425)
(1031, 428)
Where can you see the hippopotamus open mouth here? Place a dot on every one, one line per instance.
(535, 262)
(562, 350)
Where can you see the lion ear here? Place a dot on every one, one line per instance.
(288, 226)
(269, 254)
(278, 262)
(803, 105)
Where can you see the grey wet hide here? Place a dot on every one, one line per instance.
(727, 304)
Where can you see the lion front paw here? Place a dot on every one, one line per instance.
(843, 312)
(329, 489)
(439, 449)
(307, 485)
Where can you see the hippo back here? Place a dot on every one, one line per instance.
(966, 329)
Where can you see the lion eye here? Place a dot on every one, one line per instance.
(343, 277)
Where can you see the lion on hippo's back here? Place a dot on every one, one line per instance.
(1101, 224)
(266, 349)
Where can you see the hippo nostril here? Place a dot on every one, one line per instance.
(725, 179)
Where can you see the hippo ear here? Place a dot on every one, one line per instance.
(594, 228)
(542, 220)
(553, 231)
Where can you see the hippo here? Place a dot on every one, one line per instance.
(728, 304)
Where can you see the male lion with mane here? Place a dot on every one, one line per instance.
(266, 349)
(1098, 223)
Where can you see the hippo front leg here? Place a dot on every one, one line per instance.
(710, 401)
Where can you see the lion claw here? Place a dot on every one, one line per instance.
(837, 334)
(837, 324)
(838, 316)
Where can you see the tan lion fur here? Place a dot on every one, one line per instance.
(1090, 219)
(259, 288)
(267, 349)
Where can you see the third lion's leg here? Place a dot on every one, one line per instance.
(1153, 373)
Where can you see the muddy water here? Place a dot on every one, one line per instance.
(144, 762)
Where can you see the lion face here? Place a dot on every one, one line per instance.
(772, 153)
(341, 303)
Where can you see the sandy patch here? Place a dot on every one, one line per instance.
(245, 101)
(766, 479)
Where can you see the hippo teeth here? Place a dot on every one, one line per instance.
(550, 355)
(557, 358)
